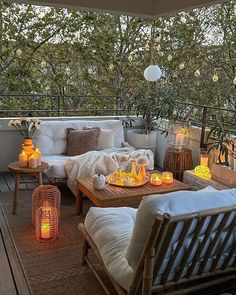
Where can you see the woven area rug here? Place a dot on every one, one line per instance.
(52, 267)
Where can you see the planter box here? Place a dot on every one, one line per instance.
(223, 175)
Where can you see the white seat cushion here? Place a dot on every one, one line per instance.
(56, 165)
(111, 229)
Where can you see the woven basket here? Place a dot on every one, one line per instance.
(45, 195)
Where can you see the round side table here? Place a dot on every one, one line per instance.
(14, 167)
(178, 161)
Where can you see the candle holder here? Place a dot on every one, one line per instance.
(156, 179)
(49, 194)
(179, 135)
(167, 177)
(46, 223)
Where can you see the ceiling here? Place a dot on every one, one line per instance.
(143, 8)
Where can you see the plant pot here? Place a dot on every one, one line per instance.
(142, 141)
(224, 175)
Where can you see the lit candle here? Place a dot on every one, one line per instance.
(23, 159)
(156, 179)
(204, 160)
(167, 177)
(179, 141)
(33, 161)
(37, 153)
(45, 225)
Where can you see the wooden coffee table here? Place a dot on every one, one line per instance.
(114, 196)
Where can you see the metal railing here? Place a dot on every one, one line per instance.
(91, 105)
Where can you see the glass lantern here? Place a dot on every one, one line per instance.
(179, 135)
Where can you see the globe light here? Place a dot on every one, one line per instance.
(152, 73)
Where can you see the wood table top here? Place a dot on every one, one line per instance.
(16, 168)
(112, 194)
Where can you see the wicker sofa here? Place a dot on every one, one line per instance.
(173, 243)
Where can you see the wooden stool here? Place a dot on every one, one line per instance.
(14, 167)
(178, 161)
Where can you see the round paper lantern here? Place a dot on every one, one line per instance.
(152, 73)
(202, 171)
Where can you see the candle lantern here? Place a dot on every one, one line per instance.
(49, 194)
(46, 224)
(167, 177)
(32, 161)
(156, 179)
(179, 135)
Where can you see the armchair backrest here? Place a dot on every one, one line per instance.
(175, 204)
(207, 252)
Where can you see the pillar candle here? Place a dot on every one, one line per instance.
(33, 161)
(23, 159)
(179, 141)
(38, 156)
(204, 160)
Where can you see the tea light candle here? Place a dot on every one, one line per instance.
(204, 160)
(23, 159)
(179, 141)
(37, 153)
(167, 177)
(33, 161)
(156, 179)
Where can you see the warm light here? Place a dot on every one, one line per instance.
(204, 160)
(37, 155)
(167, 177)
(202, 171)
(156, 179)
(46, 223)
(33, 161)
(23, 159)
(152, 73)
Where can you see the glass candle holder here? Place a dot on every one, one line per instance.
(167, 177)
(156, 179)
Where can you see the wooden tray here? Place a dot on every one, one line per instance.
(128, 186)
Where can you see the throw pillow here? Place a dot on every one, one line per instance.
(106, 139)
(81, 141)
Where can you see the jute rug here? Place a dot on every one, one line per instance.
(52, 267)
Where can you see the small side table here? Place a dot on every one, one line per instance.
(178, 161)
(14, 167)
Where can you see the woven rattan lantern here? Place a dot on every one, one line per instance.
(46, 223)
(49, 194)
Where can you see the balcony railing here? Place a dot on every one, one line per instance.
(91, 105)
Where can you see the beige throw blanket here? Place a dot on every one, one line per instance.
(102, 162)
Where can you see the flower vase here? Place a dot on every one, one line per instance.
(133, 172)
(28, 147)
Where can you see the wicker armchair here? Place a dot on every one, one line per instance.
(182, 253)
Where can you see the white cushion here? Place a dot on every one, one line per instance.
(52, 135)
(111, 229)
(56, 165)
(175, 204)
(106, 139)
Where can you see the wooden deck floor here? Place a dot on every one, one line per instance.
(7, 182)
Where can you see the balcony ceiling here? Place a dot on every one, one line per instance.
(143, 8)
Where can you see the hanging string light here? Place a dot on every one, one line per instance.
(130, 58)
(147, 47)
(152, 73)
(111, 67)
(158, 47)
(234, 80)
(197, 73)
(169, 57)
(181, 66)
(215, 78)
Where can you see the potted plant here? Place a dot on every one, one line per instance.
(223, 143)
(150, 107)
